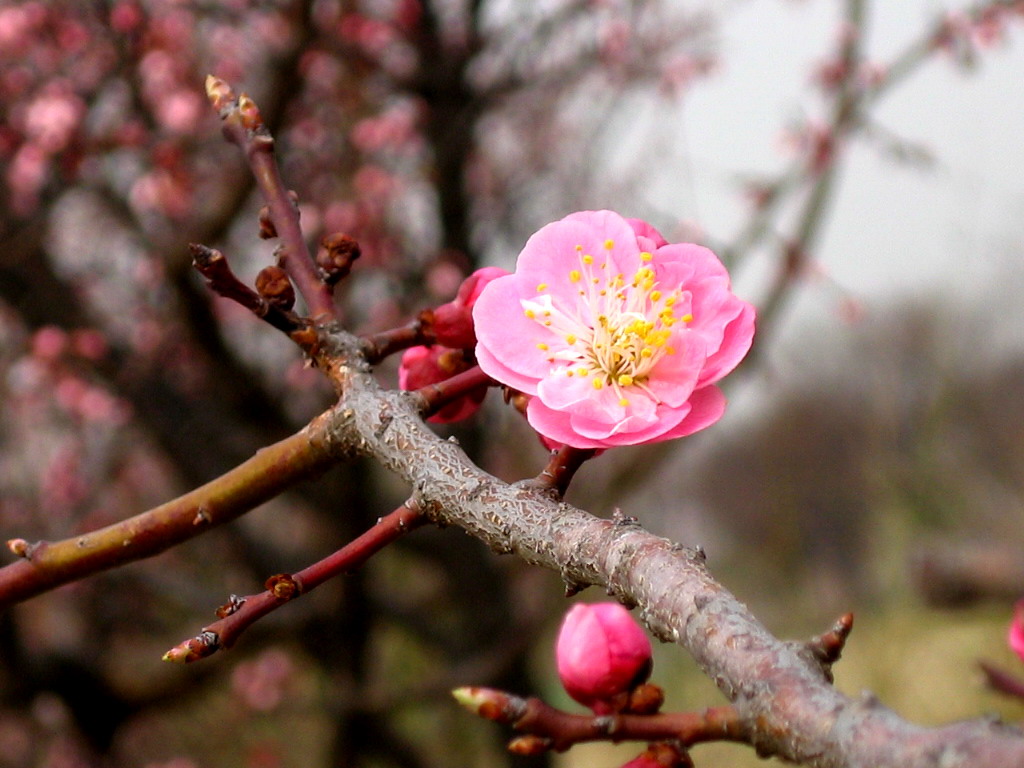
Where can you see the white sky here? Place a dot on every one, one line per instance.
(892, 227)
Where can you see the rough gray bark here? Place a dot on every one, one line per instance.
(782, 689)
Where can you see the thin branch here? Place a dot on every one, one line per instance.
(562, 730)
(45, 565)
(242, 125)
(212, 265)
(386, 343)
(240, 613)
(562, 468)
(780, 689)
(434, 397)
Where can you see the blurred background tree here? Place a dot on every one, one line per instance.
(869, 434)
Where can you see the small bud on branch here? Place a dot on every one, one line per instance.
(275, 288)
(336, 255)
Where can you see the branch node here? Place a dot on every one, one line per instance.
(233, 604)
(283, 586)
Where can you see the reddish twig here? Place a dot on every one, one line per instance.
(434, 397)
(562, 730)
(242, 125)
(272, 470)
(381, 345)
(212, 265)
(240, 613)
(561, 469)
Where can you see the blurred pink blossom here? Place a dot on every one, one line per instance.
(49, 343)
(263, 682)
(1015, 635)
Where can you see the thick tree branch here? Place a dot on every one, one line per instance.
(780, 689)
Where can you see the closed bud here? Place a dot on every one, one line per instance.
(273, 285)
(336, 255)
(529, 745)
(645, 699)
(251, 118)
(452, 323)
(602, 654)
(267, 229)
(218, 92)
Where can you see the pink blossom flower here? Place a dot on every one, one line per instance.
(601, 653)
(1015, 637)
(616, 335)
(423, 366)
(453, 322)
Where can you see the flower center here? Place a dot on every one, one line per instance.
(616, 332)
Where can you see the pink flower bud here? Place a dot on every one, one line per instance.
(601, 654)
(423, 366)
(453, 322)
(1015, 637)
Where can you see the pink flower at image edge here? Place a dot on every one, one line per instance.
(1015, 635)
(601, 653)
(617, 336)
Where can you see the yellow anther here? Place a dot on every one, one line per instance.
(530, 313)
(646, 352)
(574, 275)
(598, 382)
(609, 244)
(547, 323)
(687, 318)
(655, 295)
(571, 339)
(645, 256)
(587, 258)
(568, 372)
(542, 287)
(671, 300)
(623, 402)
(670, 350)
(580, 248)
(542, 346)
(625, 380)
